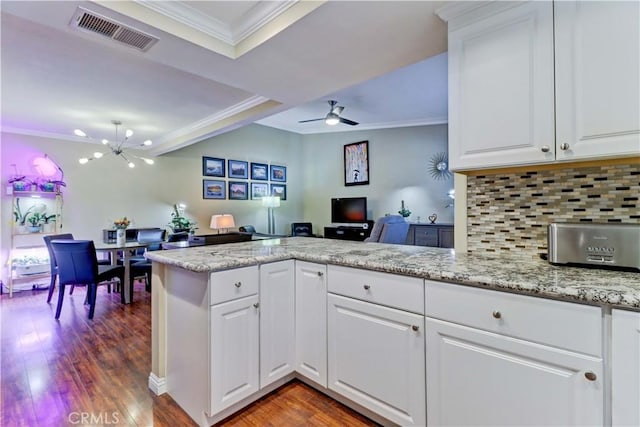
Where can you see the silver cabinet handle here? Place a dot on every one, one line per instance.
(256, 305)
(496, 314)
(320, 274)
(564, 146)
(590, 376)
(367, 287)
(545, 148)
(237, 284)
(415, 327)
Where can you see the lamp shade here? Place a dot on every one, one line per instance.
(271, 202)
(222, 221)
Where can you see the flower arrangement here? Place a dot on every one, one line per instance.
(121, 223)
(404, 211)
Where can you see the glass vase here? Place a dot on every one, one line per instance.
(120, 236)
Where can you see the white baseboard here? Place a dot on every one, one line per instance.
(157, 385)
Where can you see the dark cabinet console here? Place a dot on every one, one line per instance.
(347, 233)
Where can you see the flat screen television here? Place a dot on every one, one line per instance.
(349, 210)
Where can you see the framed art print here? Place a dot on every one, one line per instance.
(356, 163)
(259, 190)
(260, 171)
(278, 173)
(213, 189)
(238, 169)
(212, 166)
(238, 190)
(279, 190)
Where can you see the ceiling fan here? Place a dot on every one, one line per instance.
(333, 116)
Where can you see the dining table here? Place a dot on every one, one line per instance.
(113, 249)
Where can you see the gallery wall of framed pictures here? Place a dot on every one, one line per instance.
(262, 179)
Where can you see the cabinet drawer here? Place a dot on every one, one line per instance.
(560, 324)
(405, 293)
(426, 236)
(231, 284)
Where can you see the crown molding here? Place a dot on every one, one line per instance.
(231, 33)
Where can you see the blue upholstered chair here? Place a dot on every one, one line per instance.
(140, 266)
(78, 265)
(389, 229)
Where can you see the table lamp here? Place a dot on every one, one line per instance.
(222, 222)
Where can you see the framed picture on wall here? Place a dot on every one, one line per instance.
(213, 189)
(212, 166)
(238, 169)
(356, 163)
(279, 190)
(278, 173)
(260, 171)
(238, 190)
(259, 190)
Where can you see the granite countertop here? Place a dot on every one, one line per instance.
(526, 276)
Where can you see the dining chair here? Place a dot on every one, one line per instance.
(140, 266)
(103, 264)
(77, 264)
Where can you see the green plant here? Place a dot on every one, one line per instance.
(19, 216)
(46, 219)
(179, 221)
(36, 219)
(404, 211)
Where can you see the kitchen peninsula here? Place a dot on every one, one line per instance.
(232, 322)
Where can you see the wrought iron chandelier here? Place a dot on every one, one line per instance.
(117, 147)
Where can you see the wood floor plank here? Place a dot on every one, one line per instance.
(55, 372)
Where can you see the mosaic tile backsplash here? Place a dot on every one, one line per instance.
(510, 212)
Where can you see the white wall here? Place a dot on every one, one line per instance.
(399, 162)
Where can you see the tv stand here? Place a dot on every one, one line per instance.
(356, 233)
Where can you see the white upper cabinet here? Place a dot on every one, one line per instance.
(502, 107)
(597, 78)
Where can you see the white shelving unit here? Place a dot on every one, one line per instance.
(30, 246)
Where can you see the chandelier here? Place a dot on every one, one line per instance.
(117, 147)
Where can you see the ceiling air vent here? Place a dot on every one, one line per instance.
(92, 22)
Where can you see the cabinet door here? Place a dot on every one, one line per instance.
(376, 358)
(445, 237)
(277, 321)
(501, 87)
(625, 367)
(597, 78)
(476, 377)
(234, 351)
(426, 235)
(311, 321)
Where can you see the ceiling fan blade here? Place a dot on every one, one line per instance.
(310, 120)
(347, 121)
(338, 109)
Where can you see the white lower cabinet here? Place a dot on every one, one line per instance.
(376, 358)
(311, 321)
(234, 351)
(625, 368)
(277, 321)
(489, 377)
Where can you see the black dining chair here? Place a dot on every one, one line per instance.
(140, 266)
(78, 265)
(103, 264)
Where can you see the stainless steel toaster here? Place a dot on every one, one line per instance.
(606, 245)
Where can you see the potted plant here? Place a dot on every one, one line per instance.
(35, 220)
(404, 211)
(48, 223)
(179, 222)
(20, 218)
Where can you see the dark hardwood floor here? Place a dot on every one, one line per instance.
(81, 372)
